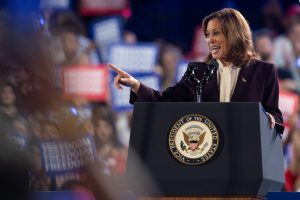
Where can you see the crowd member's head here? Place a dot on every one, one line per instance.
(229, 37)
(294, 35)
(105, 131)
(70, 43)
(69, 29)
(129, 37)
(10, 105)
(169, 58)
(263, 44)
(9, 95)
(65, 19)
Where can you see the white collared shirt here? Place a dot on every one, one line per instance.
(227, 77)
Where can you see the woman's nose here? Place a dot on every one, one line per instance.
(210, 39)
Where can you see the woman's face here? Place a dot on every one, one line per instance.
(7, 96)
(70, 43)
(216, 40)
(104, 131)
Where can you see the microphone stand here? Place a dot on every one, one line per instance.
(199, 91)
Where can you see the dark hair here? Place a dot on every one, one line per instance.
(237, 33)
(108, 119)
(16, 92)
(65, 21)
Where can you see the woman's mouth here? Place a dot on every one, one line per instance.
(215, 49)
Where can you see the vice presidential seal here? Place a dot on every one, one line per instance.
(193, 139)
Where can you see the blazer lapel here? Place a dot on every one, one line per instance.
(241, 83)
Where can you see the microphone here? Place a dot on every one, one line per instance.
(210, 71)
(190, 76)
(197, 85)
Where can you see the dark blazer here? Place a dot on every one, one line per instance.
(256, 82)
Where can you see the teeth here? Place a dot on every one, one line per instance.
(214, 48)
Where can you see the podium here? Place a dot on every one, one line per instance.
(248, 162)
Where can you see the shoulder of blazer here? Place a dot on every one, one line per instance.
(260, 67)
(262, 64)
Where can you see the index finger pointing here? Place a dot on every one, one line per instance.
(116, 69)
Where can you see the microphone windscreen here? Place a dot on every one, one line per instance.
(214, 64)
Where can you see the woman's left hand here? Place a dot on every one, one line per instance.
(271, 120)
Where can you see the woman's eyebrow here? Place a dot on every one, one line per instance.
(213, 29)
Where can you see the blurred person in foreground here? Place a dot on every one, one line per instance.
(241, 76)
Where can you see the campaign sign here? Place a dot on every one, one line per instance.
(288, 104)
(88, 82)
(180, 69)
(105, 33)
(138, 58)
(102, 7)
(55, 4)
(63, 156)
(120, 98)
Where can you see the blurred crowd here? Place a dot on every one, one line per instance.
(33, 110)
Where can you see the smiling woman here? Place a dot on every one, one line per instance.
(216, 40)
(241, 76)
(231, 34)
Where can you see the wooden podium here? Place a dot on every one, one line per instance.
(248, 164)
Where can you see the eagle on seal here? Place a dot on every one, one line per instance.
(193, 140)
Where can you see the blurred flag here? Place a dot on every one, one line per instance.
(88, 82)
